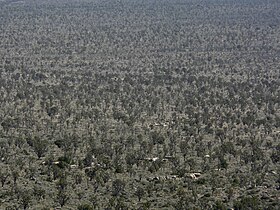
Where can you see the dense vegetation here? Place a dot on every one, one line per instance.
(130, 104)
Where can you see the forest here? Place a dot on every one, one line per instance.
(139, 104)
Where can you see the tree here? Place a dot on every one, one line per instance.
(228, 148)
(222, 162)
(39, 145)
(4, 149)
(52, 111)
(25, 198)
(62, 197)
(85, 206)
(94, 200)
(78, 178)
(184, 147)
(4, 174)
(62, 183)
(140, 192)
(39, 192)
(219, 206)
(118, 187)
(91, 173)
(15, 175)
(8, 123)
(121, 205)
(245, 203)
(130, 159)
(157, 139)
(183, 200)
